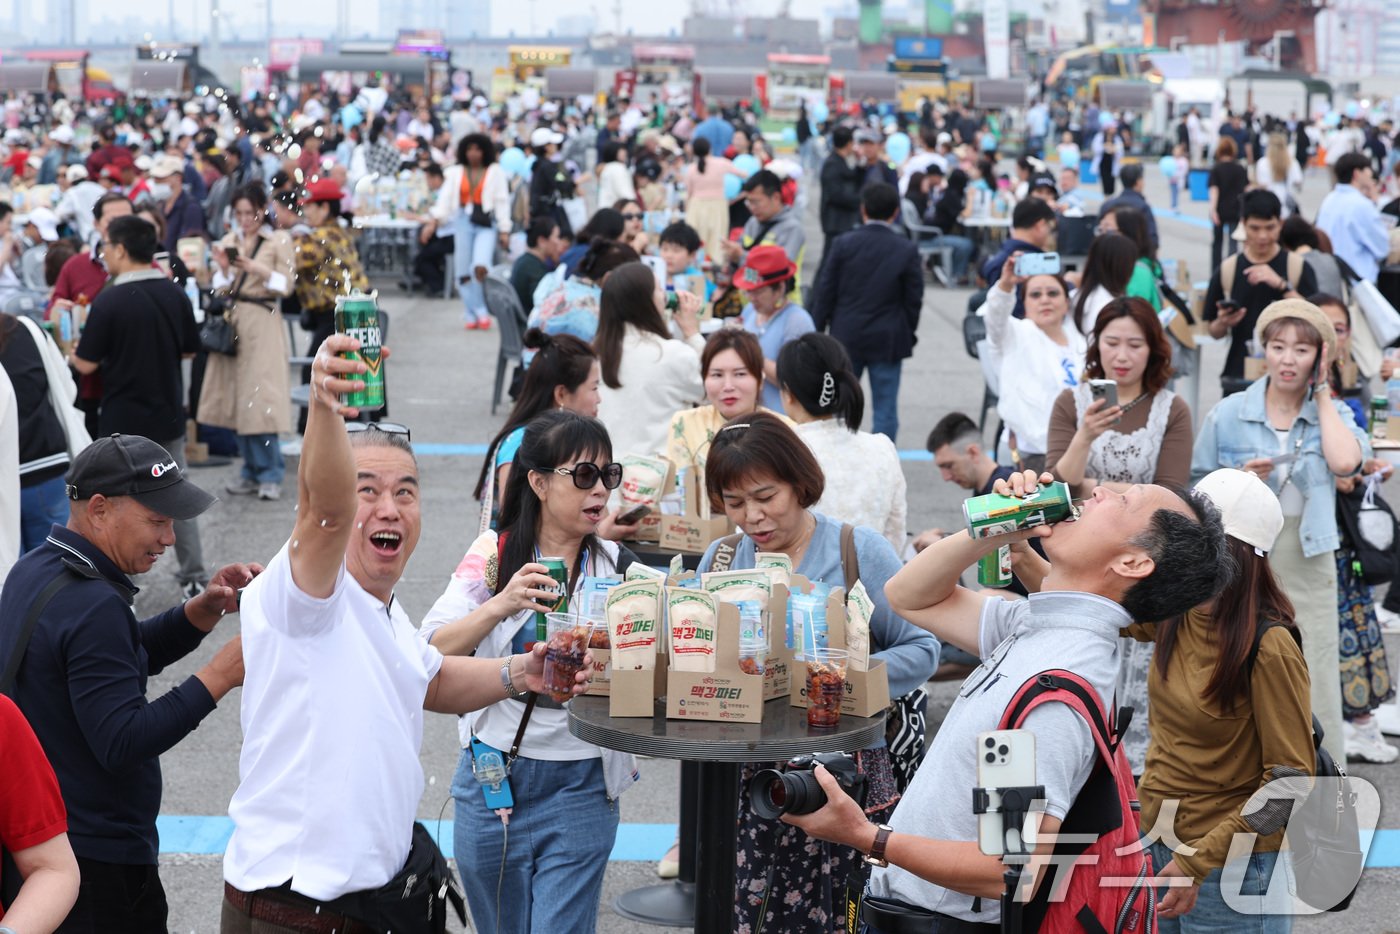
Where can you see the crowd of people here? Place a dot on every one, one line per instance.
(657, 263)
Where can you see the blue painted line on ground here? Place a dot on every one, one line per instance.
(1190, 220)
(208, 836)
(479, 450)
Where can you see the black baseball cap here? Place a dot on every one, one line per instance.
(1044, 180)
(130, 465)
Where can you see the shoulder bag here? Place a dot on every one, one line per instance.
(217, 334)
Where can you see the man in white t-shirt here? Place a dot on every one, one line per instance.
(337, 680)
(1136, 553)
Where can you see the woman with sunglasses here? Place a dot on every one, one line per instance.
(564, 815)
(634, 217)
(1037, 356)
(767, 480)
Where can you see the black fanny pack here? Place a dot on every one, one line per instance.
(890, 916)
(415, 900)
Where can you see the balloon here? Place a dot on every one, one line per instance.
(819, 112)
(1332, 119)
(350, 116)
(789, 136)
(897, 147)
(747, 164)
(513, 161)
(732, 185)
(1168, 166)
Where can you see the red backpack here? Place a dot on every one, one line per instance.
(1109, 890)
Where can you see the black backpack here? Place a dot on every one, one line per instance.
(1322, 829)
(1368, 528)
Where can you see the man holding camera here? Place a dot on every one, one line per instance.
(1143, 554)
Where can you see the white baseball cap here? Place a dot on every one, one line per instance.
(75, 173)
(1249, 510)
(46, 222)
(543, 136)
(62, 135)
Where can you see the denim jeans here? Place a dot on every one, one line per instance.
(188, 549)
(1247, 879)
(262, 458)
(41, 506)
(963, 248)
(1176, 194)
(473, 246)
(1222, 244)
(884, 394)
(550, 864)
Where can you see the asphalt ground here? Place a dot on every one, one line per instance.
(440, 384)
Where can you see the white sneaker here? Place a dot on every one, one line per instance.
(1364, 742)
(270, 491)
(1388, 716)
(1390, 621)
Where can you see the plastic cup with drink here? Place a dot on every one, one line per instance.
(569, 637)
(826, 686)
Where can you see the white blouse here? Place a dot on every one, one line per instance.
(864, 483)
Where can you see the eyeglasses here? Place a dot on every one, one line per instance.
(388, 428)
(586, 474)
(632, 216)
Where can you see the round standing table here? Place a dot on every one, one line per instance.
(718, 750)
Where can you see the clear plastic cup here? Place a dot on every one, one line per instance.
(564, 653)
(826, 686)
(753, 652)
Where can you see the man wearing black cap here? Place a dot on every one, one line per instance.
(75, 659)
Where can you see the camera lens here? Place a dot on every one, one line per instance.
(773, 793)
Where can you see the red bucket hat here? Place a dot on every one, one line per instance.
(765, 265)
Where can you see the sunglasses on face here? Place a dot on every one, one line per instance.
(388, 428)
(586, 474)
(632, 216)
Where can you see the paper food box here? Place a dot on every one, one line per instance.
(698, 525)
(634, 616)
(645, 479)
(723, 691)
(867, 682)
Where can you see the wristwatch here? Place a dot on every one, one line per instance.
(876, 857)
(506, 683)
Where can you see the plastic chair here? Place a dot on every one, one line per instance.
(928, 239)
(504, 305)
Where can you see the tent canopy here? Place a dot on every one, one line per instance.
(25, 76)
(158, 77)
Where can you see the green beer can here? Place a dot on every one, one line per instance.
(994, 568)
(993, 514)
(559, 571)
(357, 316)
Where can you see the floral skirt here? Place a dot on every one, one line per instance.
(788, 883)
(1365, 671)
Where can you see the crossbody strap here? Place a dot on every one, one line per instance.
(243, 277)
(520, 731)
(31, 621)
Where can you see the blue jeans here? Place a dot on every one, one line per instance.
(1176, 193)
(41, 506)
(262, 458)
(550, 866)
(963, 248)
(472, 246)
(884, 394)
(1213, 916)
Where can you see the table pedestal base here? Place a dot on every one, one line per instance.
(671, 904)
(716, 842)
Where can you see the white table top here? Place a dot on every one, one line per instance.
(987, 222)
(385, 222)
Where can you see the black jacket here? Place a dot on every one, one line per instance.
(840, 196)
(870, 292)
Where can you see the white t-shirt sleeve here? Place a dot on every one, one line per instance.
(1000, 618)
(288, 608)
(1065, 753)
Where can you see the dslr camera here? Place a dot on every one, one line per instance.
(794, 788)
